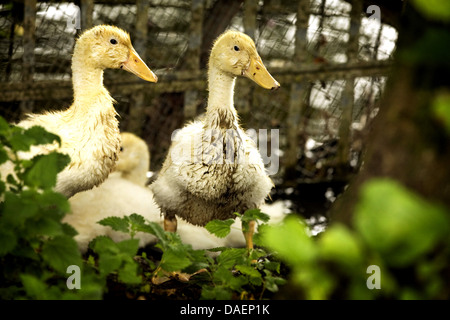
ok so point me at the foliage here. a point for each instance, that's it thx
(234, 273)
(404, 235)
(36, 247)
(434, 9)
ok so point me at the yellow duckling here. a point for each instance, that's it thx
(213, 168)
(88, 129)
(124, 192)
(121, 194)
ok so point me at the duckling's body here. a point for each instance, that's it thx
(213, 168)
(89, 129)
(124, 192)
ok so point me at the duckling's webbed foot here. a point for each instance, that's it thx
(170, 223)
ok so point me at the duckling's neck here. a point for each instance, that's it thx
(220, 112)
(87, 82)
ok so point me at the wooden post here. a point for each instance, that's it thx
(86, 12)
(138, 98)
(250, 10)
(250, 27)
(299, 90)
(29, 43)
(192, 62)
(347, 97)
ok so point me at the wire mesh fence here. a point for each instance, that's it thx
(307, 50)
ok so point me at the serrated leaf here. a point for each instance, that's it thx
(8, 241)
(45, 226)
(128, 273)
(137, 219)
(219, 228)
(156, 230)
(272, 283)
(116, 223)
(40, 136)
(173, 260)
(45, 168)
(249, 271)
(231, 257)
(54, 201)
(34, 287)
(61, 252)
(255, 214)
(128, 247)
(24, 204)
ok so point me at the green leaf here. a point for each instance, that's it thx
(173, 260)
(254, 214)
(272, 283)
(229, 258)
(3, 156)
(128, 247)
(8, 241)
(155, 229)
(340, 245)
(45, 226)
(116, 223)
(61, 252)
(4, 126)
(17, 208)
(441, 109)
(216, 293)
(40, 135)
(34, 287)
(434, 9)
(398, 223)
(255, 277)
(45, 168)
(128, 273)
(137, 219)
(291, 242)
(220, 228)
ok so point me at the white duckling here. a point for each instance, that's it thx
(123, 193)
(88, 129)
(213, 168)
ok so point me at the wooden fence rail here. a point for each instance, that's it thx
(190, 76)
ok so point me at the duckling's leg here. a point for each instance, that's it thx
(170, 223)
(249, 234)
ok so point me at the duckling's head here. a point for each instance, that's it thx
(103, 47)
(134, 158)
(235, 52)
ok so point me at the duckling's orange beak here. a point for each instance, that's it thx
(135, 65)
(258, 73)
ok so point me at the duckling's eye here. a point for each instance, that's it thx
(236, 48)
(113, 41)
(121, 149)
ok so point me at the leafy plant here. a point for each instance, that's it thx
(36, 246)
(234, 273)
(395, 229)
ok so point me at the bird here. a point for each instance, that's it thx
(121, 194)
(213, 168)
(125, 192)
(89, 129)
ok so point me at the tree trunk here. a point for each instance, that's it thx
(406, 142)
